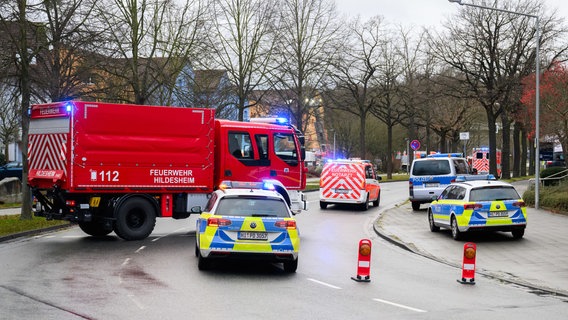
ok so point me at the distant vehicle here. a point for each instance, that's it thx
(473, 205)
(245, 220)
(551, 155)
(349, 181)
(11, 169)
(429, 176)
(480, 160)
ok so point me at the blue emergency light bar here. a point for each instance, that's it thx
(445, 155)
(475, 177)
(265, 185)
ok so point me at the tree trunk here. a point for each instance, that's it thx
(516, 149)
(506, 152)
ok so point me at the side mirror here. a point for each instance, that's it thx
(196, 209)
(434, 198)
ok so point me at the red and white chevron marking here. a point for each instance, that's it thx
(48, 151)
(343, 176)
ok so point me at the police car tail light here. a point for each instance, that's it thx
(286, 224)
(472, 206)
(519, 204)
(218, 222)
(70, 203)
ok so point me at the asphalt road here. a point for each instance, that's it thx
(68, 275)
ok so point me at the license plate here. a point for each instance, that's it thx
(499, 214)
(244, 235)
(342, 191)
(431, 185)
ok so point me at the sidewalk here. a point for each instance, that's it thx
(10, 211)
(538, 260)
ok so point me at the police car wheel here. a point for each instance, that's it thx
(323, 205)
(518, 234)
(433, 226)
(202, 263)
(291, 266)
(456, 234)
(415, 206)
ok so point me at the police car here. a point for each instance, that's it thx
(431, 175)
(247, 221)
(472, 205)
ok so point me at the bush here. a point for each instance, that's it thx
(553, 198)
(550, 172)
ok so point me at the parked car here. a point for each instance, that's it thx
(487, 205)
(11, 169)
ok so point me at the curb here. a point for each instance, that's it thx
(35, 232)
(539, 290)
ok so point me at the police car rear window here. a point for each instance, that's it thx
(431, 167)
(252, 207)
(493, 194)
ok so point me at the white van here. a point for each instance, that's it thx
(431, 175)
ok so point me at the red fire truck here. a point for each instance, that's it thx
(117, 167)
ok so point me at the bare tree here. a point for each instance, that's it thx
(244, 39)
(386, 96)
(23, 37)
(353, 71)
(9, 116)
(493, 51)
(62, 70)
(149, 43)
(308, 36)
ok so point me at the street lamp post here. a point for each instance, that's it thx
(537, 93)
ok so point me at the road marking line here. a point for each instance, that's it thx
(136, 302)
(140, 249)
(324, 284)
(126, 261)
(399, 305)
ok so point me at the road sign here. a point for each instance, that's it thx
(415, 145)
(464, 135)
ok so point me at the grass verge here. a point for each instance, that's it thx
(11, 224)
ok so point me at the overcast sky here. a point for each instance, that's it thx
(429, 13)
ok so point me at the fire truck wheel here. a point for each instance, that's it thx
(95, 229)
(135, 220)
(323, 205)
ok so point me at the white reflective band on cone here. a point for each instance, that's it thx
(364, 264)
(469, 266)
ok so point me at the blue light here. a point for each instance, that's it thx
(268, 186)
(68, 107)
(282, 120)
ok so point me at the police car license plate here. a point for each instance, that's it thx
(245, 235)
(495, 214)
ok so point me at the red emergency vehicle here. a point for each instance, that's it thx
(480, 160)
(349, 181)
(117, 167)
